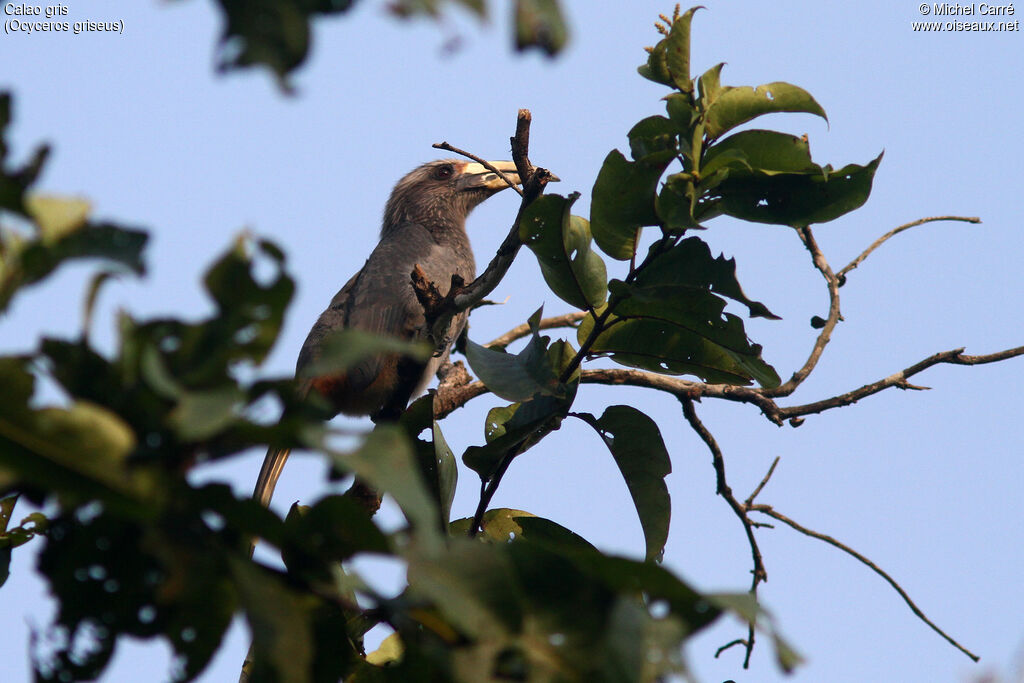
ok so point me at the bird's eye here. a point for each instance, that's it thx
(443, 172)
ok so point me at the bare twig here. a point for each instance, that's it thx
(723, 489)
(895, 231)
(760, 487)
(899, 379)
(768, 510)
(486, 164)
(832, 282)
(520, 331)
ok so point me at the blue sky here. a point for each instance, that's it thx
(926, 484)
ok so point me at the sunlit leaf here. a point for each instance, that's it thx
(562, 245)
(735, 106)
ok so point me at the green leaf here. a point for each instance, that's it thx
(668, 62)
(511, 430)
(766, 151)
(274, 33)
(710, 85)
(203, 414)
(677, 51)
(735, 106)
(669, 319)
(636, 445)
(386, 461)
(447, 471)
(622, 202)
(682, 114)
(281, 624)
(472, 585)
(517, 377)
(674, 202)
(77, 452)
(667, 348)
(691, 268)
(539, 23)
(332, 530)
(653, 140)
(57, 217)
(562, 245)
(435, 459)
(29, 261)
(346, 347)
(798, 199)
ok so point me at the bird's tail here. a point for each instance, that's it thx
(273, 463)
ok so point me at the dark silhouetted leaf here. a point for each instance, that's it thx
(387, 462)
(653, 140)
(539, 23)
(622, 203)
(636, 445)
(274, 33)
(797, 199)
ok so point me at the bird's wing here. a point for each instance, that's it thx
(380, 299)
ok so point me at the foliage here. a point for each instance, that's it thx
(134, 549)
(277, 33)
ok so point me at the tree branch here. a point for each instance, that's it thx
(768, 510)
(899, 379)
(892, 233)
(832, 282)
(520, 331)
(723, 489)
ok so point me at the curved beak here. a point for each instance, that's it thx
(476, 175)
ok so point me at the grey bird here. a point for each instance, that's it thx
(425, 225)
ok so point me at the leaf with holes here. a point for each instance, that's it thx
(562, 244)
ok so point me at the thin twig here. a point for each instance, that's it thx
(832, 282)
(520, 331)
(899, 379)
(486, 164)
(723, 489)
(768, 510)
(771, 470)
(895, 231)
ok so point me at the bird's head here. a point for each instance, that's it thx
(440, 194)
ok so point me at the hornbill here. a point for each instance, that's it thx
(425, 225)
